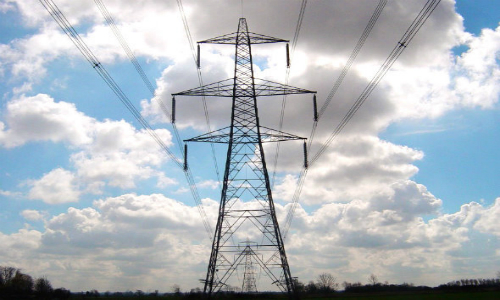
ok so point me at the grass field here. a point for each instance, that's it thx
(416, 296)
(480, 295)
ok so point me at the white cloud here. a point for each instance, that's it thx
(9, 193)
(110, 153)
(56, 187)
(488, 219)
(27, 58)
(354, 167)
(385, 235)
(127, 242)
(478, 73)
(32, 215)
(17, 244)
(40, 118)
(164, 181)
(5, 7)
(120, 154)
(136, 240)
(212, 184)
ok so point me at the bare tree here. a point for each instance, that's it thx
(298, 285)
(43, 287)
(327, 282)
(6, 274)
(311, 287)
(373, 280)
(62, 293)
(22, 283)
(176, 289)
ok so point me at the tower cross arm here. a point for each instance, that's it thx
(222, 136)
(231, 39)
(273, 135)
(224, 88)
(271, 88)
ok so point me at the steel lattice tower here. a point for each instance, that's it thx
(245, 175)
(249, 284)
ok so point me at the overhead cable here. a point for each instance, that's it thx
(354, 54)
(70, 31)
(287, 77)
(195, 53)
(111, 23)
(347, 67)
(338, 82)
(408, 36)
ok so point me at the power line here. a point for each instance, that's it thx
(59, 17)
(70, 31)
(124, 44)
(338, 82)
(287, 77)
(354, 54)
(111, 23)
(408, 36)
(200, 80)
(347, 67)
(147, 82)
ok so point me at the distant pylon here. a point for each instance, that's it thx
(249, 284)
(245, 175)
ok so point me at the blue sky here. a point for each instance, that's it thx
(460, 156)
(408, 189)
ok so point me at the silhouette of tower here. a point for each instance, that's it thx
(245, 175)
(249, 284)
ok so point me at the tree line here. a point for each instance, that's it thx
(326, 283)
(14, 284)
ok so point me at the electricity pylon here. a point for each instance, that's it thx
(249, 284)
(245, 175)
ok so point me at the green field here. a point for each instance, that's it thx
(416, 296)
(480, 295)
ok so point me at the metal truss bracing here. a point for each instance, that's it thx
(261, 87)
(246, 210)
(235, 39)
(222, 136)
(249, 284)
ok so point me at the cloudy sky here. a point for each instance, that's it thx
(408, 191)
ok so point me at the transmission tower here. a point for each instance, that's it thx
(249, 284)
(245, 177)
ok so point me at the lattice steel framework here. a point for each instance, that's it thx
(245, 176)
(249, 284)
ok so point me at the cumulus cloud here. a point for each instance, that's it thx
(120, 154)
(26, 59)
(386, 235)
(9, 193)
(57, 186)
(40, 118)
(110, 153)
(32, 215)
(354, 167)
(478, 73)
(126, 241)
(17, 244)
(486, 222)
(212, 184)
(136, 241)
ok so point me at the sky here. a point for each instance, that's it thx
(408, 191)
